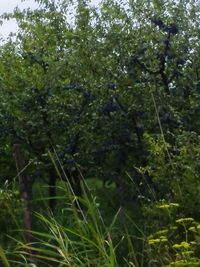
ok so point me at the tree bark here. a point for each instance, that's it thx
(25, 193)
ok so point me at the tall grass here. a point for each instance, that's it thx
(84, 240)
(77, 235)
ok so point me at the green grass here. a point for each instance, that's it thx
(85, 232)
(95, 231)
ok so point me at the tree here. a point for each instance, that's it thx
(95, 89)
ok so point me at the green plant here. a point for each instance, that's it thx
(86, 241)
(10, 212)
(177, 241)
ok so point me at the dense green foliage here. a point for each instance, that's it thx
(110, 95)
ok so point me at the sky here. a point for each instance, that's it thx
(8, 6)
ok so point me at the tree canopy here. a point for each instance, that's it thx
(109, 94)
(113, 91)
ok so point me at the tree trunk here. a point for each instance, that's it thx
(25, 194)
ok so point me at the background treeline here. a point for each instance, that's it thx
(105, 101)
